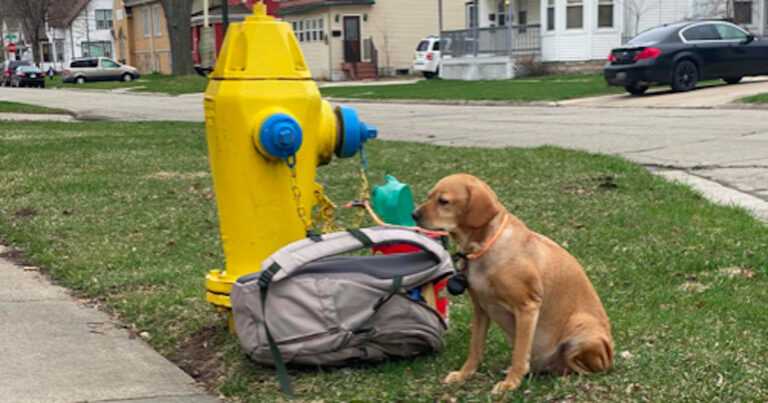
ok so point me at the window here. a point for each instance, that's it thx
(46, 50)
(423, 46)
(109, 64)
(470, 15)
(550, 15)
(84, 63)
(103, 19)
(574, 14)
(97, 49)
(157, 13)
(59, 45)
(301, 31)
(703, 32)
(730, 33)
(522, 21)
(742, 11)
(605, 14)
(320, 29)
(147, 20)
(313, 27)
(436, 46)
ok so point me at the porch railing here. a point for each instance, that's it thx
(495, 41)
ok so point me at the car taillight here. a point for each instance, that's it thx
(648, 53)
(66, 72)
(430, 56)
(21, 74)
(612, 58)
(7, 72)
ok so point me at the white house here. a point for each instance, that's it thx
(501, 34)
(85, 31)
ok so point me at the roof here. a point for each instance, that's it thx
(292, 7)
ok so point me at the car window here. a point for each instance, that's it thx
(423, 46)
(109, 64)
(77, 64)
(730, 33)
(436, 46)
(92, 63)
(28, 69)
(703, 32)
(650, 36)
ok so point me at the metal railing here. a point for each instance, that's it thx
(496, 41)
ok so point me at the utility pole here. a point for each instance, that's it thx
(439, 17)
(225, 15)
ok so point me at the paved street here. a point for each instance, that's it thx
(727, 146)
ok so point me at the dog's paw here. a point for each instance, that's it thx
(505, 386)
(455, 377)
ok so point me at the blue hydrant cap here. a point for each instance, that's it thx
(280, 135)
(354, 132)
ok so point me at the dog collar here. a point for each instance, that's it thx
(488, 244)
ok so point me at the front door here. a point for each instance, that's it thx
(352, 39)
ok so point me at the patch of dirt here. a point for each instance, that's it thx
(693, 286)
(25, 212)
(163, 175)
(737, 272)
(197, 356)
(588, 186)
(15, 256)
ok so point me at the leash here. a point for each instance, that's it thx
(365, 204)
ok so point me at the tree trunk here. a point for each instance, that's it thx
(178, 14)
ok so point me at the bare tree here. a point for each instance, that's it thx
(178, 14)
(714, 8)
(31, 14)
(635, 10)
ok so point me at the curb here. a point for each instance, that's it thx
(718, 193)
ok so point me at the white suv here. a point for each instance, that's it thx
(427, 57)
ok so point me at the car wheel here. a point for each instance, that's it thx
(686, 75)
(636, 90)
(80, 80)
(429, 75)
(127, 77)
(732, 80)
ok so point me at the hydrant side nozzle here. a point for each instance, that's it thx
(353, 133)
(280, 136)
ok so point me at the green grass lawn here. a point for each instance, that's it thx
(18, 107)
(167, 84)
(756, 99)
(545, 88)
(123, 213)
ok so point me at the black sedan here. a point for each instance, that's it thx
(682, 54)
(28, 76)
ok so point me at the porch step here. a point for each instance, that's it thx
(361, 71)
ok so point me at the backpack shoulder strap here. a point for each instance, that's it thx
(293, 257)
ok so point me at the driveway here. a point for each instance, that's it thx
(727, 147)
(707, 96)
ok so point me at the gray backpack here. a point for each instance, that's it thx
(311, 306)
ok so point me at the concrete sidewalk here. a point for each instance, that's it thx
(56, 349)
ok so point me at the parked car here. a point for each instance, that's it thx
(682, 54)
(28, 76)
(98, 69)
(427, 57)
(9, 67)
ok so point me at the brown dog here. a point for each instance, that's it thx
(530, 286)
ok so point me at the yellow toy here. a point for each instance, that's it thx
(268, 129)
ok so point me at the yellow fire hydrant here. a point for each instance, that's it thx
(268, 130)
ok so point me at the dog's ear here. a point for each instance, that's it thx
(482, 206)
